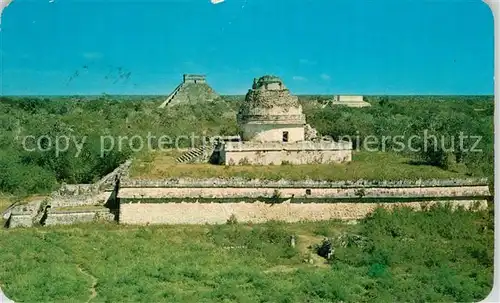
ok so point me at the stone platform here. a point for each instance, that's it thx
(296, 153)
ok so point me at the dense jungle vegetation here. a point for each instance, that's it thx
(86, 120)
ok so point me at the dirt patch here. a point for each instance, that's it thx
(93, 292)
(305, 246)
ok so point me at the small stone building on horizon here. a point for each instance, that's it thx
(349, 101)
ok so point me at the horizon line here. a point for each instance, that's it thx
(166, 95)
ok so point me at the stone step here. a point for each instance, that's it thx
(191, 154)
(194, 153)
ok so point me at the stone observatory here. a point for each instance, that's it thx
(270, 113)
(273, 130)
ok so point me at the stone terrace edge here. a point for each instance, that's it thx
(240, 182)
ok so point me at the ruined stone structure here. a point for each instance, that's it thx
(270, 113)
(350, 101)
(254, 211)
(215, 201)
(72, 203)
(194, 79)
(274, 131)
(194, 88)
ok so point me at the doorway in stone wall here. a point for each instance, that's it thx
(285, 136)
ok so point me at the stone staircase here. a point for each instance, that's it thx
(196, 154)
(171, 96)
(190, 92)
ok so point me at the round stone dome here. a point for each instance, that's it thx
(270, 106)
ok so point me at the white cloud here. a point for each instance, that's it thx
(92, 55)
(325, 77)
(299, 78)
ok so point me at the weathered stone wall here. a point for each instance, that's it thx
(24, 215)
(243, 183)
(463, 192)
(333, 193)
(270, 102)
(76, 189)
(272, 132)
(290, 146)
(304, 152)
(188, 78)
(81, 200)
(219, 213)
(74, 217)
(310, 133)
(273, 86)
(20, 220)
(274, 157)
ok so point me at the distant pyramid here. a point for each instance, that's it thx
(194, 88)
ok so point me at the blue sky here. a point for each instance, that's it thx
(315, 46)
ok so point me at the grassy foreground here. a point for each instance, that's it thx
(365, 165)
(437, 256)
